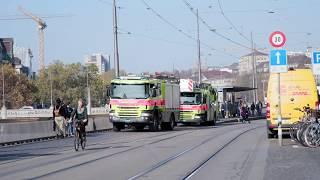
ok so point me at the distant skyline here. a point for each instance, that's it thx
(147, 43)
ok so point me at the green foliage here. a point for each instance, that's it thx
(69, 82)
(18, 88)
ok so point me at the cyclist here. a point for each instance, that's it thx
(80, 116)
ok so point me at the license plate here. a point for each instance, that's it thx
(284, 121)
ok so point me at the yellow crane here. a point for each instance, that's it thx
(41, 26)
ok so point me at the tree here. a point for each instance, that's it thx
(18, 88)
(69, 82)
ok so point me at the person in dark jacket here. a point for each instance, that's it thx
(253, 107)
(59, 116)
(69, 120)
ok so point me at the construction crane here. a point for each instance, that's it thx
(41, 26)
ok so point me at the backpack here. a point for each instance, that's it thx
(57, 111)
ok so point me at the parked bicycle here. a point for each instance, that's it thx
(307, 130)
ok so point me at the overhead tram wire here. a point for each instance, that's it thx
(212, 29)
(183, 32)
(166, 21)
(174, 42)
(230, 22)
(125, 32)
(13, 18)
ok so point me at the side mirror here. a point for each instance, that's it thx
(154, 92)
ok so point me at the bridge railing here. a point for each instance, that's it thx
(43, 113)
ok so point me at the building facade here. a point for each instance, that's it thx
(101, 61)
(23, 60)
(246, 62)
(6, 49)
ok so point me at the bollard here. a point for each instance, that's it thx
(280, 130)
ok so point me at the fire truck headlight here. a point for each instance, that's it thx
(146, 114)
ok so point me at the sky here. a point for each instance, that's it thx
(151, 43)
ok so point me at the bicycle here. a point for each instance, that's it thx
(298, 127)
(80, 136)
(307, 130)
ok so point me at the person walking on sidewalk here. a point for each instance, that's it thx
(59, 116)
(69, 124)
(253, 107)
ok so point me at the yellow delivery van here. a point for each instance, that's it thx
(298, 89)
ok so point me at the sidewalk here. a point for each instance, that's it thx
(237, 119)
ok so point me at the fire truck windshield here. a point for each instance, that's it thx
(190, 98)
(130, 91)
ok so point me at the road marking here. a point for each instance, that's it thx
(295, 146)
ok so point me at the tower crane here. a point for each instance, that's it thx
(41, 26)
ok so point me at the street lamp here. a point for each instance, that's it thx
(89, 94)
(51, 92)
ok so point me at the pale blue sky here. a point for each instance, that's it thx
(154, 45)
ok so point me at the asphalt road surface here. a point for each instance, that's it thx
(226, 151)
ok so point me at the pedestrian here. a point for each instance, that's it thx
(69, 120)
(59, 116)
(260, 104)
(253, 107)
(258, 108)
(244, 113)
(229, 109)
(222, 109)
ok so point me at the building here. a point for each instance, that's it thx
(246, 61)
(218, 78)
(23, 60)
(101, 61)
(20, 68)
(6, 49)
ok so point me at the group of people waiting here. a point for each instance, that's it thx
(229, 109)
(66, 118)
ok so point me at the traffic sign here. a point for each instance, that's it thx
(316, 63)
(278, 61)
(277, 39)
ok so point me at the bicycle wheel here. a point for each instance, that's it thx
(300, 134)
(83, 141)
(292, 131)
(76, 140)
(311, 135)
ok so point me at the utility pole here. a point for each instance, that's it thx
(3, 109)
(253, 70)
(51, 93)
(198, 40)
(115, 40)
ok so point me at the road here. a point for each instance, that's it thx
(227, 151)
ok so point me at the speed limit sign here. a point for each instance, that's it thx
(277, 39)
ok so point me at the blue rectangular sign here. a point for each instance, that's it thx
(278, 57)
(316, 57)
(316, 63)
(278, 61)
